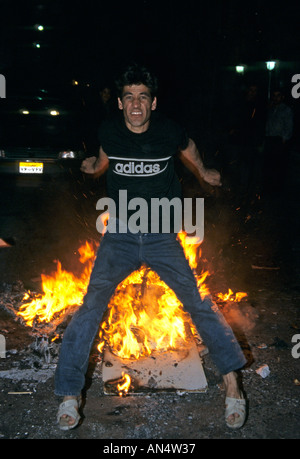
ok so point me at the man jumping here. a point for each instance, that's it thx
(141, 135)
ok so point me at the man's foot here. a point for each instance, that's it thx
(68, 413)
(235, 413)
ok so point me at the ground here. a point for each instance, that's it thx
(250, 247)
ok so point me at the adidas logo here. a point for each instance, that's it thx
(133, 168)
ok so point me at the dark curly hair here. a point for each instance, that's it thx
(136, 74)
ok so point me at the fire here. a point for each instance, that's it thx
(124, 386)
(192, 250)
(144, 314)
(63, 291)
(230, 296)
(119, 386)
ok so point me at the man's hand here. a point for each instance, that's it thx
(212, 176)
(88, 165)
(192, 160)
(95, 166)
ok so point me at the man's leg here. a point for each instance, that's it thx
(116, 259)
(166, 256)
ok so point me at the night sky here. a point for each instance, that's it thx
(188, 43)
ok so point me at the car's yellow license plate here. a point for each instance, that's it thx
(31, 168)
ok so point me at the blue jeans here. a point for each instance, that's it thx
(118, 256)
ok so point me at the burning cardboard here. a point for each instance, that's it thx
(171, 370)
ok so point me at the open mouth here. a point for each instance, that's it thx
(136, 113)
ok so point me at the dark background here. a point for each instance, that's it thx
(193, 46)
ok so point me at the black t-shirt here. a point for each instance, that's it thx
(142, 164)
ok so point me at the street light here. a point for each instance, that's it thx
(240, 69)
(271, 65)
(39, 27)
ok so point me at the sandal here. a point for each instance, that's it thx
(235, 405)
(70, 408)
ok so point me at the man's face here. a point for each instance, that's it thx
(137, 105)
(105, 95)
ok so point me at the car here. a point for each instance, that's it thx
(40, 134)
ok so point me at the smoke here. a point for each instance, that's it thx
(240, 316)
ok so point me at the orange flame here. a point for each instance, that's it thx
(124, 387)
(144, 314)
(230, 296)
(61, 291)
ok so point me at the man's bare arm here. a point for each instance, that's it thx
(95, 166)
(192, 160)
